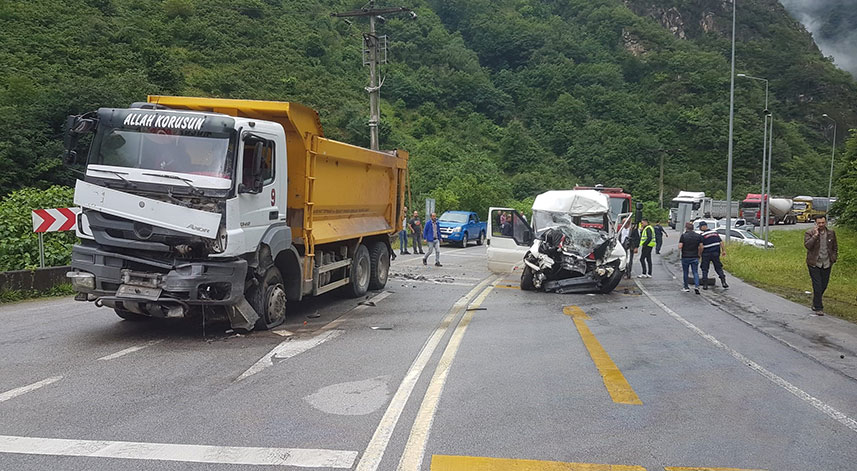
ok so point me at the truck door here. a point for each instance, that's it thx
(509, 238)
(258, 201)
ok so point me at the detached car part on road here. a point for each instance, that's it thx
(233, 207)
(557, 253)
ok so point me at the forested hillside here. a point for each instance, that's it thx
(497, 100)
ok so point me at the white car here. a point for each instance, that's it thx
(745, 237)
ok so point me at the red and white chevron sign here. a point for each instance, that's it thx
(53, 220)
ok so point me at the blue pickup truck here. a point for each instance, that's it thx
(460, 227)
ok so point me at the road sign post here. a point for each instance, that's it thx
(52, 220)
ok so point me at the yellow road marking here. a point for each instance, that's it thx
(468, 463)
(507, 286)
(415, 448)
(614, 380)
(673, 468)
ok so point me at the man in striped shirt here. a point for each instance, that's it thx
(712, 249)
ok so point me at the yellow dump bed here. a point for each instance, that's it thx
(336, 191)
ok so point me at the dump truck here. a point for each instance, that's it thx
(807, 208)
(227, 208)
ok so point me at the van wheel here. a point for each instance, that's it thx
(379, 262)
(481, 239)
(268, 298)
(527, 279)
(609, 284)
(361, 268)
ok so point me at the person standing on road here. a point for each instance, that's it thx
(690, 246)
(403, 234)
(821, 253)
(647, 243)
(416, 233)
(629, 238)
(432, 236)
(713, 249)
(660, 233)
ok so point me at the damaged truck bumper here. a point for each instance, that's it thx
(161, 288)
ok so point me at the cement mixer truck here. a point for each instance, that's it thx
(779, 210)
(227, 208)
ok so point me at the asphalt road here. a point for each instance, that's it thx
(448, 368)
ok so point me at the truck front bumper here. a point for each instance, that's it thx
(118, 276)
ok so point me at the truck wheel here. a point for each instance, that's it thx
(130, 316)
(379, 261)
(464, 241)
(361, 268)
(527, 279)
(481, 239)
(268, 298)
(609, 284)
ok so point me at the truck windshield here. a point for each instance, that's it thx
(619, 206)
(193, 154)
(750, 204)
(800, 206)
(453, 217)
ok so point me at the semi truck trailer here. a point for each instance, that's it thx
(228, 207)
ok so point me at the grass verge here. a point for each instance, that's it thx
(783, 270)
(11, 296)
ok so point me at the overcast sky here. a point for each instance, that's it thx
(843, 48)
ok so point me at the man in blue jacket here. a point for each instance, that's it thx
(431, 234)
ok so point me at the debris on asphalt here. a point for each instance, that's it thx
(367, 303)
(284, 333)
(314, 315)
(381, 327)
(477, 309)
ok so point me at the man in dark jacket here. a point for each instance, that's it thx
(416, 233)
(821, 253)
(690, 246)
(712, 249)
(660, 233)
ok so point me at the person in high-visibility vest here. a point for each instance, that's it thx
(647, 243)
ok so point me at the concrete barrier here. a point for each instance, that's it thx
(40, 279)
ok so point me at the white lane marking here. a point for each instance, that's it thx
(415, 448)
(371, 458)
(300, 457)
(122, 353)
(13, 393)
(287, 349)
(292, 347)
(817, 403)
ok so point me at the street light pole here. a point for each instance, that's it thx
(763, 205)
(731, 128)
(768, 192)
(832, 155)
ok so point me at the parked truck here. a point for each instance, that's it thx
(696, 200)
(460, 227)
(807, 208)
(779, 210)
(716, 209)
(229, 208)
(620, 201)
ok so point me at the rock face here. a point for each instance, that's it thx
(632, 44)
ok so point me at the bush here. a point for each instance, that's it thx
(19, 245)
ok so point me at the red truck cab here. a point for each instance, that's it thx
(620, 202)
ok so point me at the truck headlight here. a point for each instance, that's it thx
(457, 229)
(81, 280)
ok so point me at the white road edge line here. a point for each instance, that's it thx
(128, 350)
(415, 448)
(292, 347)
(300, 457)
(374, 452)
(13, 393)
(815, 402)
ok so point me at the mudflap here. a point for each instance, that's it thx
(242, 316)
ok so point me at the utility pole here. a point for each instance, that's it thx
(375, 54)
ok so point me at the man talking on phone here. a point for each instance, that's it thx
(821, 252)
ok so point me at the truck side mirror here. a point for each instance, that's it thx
(75, 126)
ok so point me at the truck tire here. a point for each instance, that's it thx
(464, 241)
(379, 261)
(527, 279)
(130, 316)
(268, 298)
(612, 282)
(481, 239)
(359, 275)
